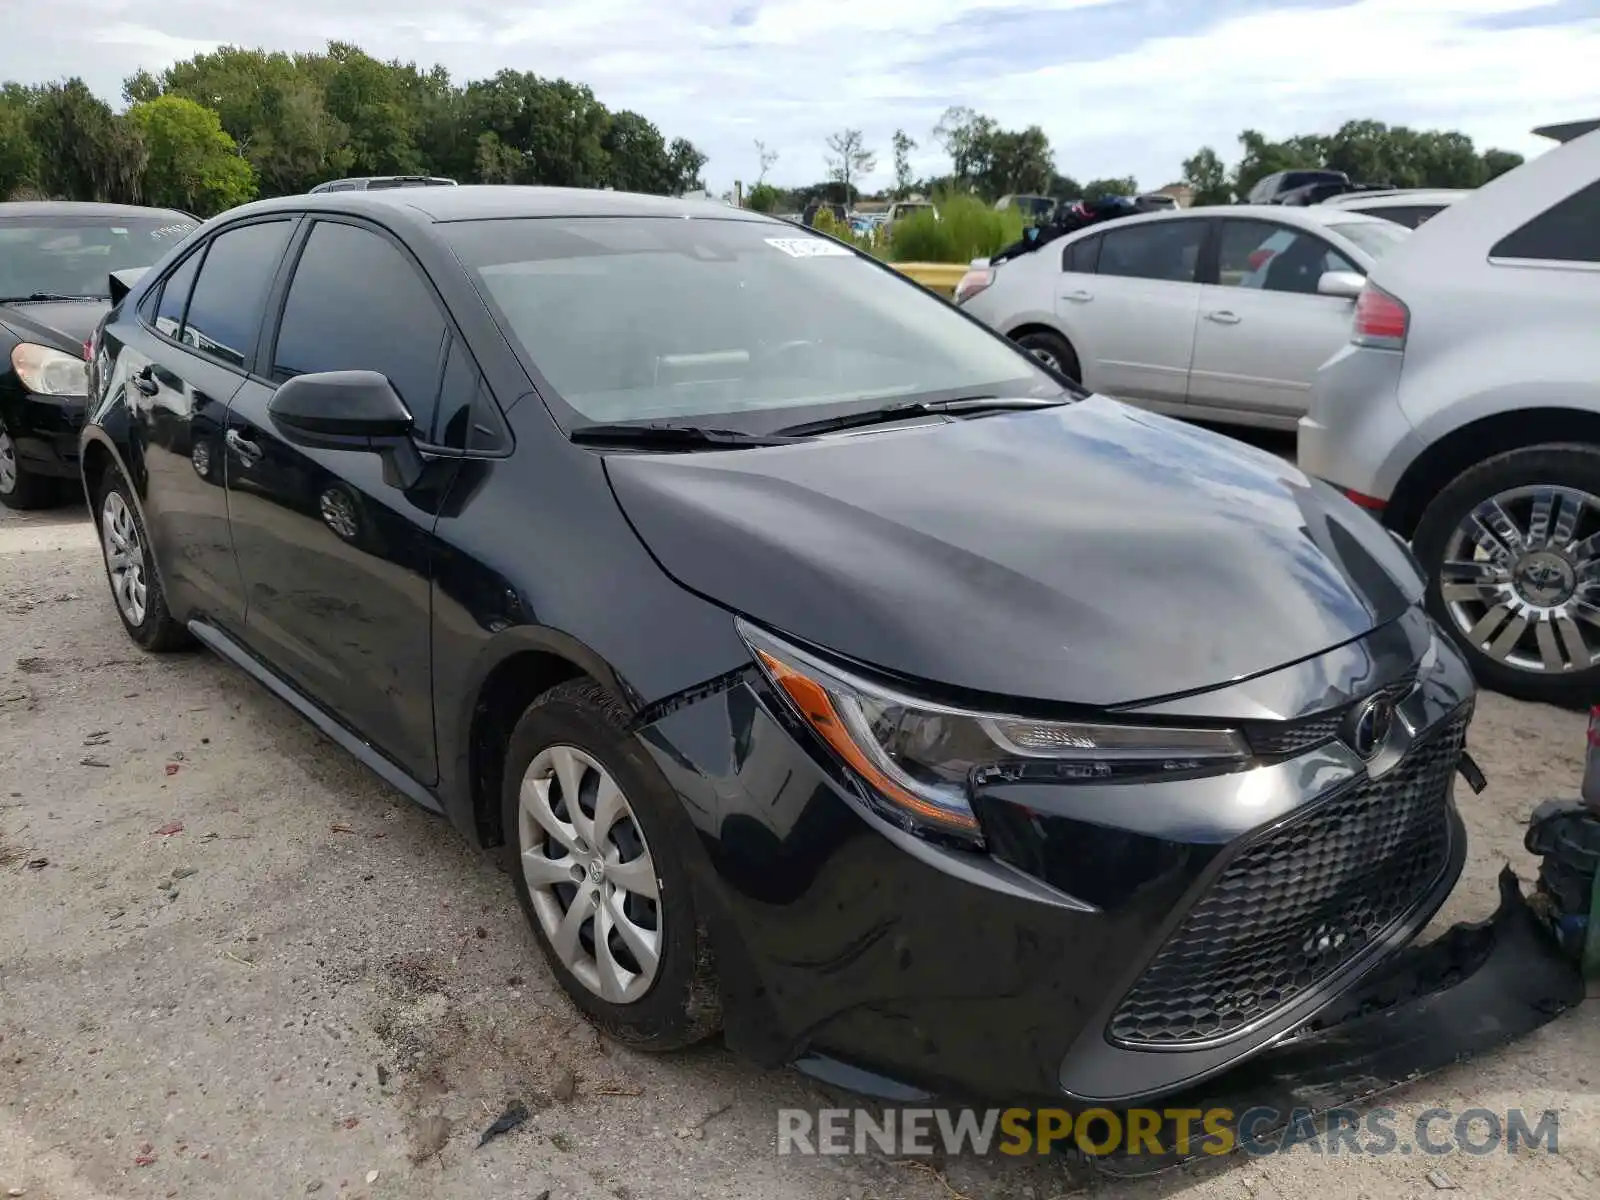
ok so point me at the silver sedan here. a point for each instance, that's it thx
(1218, 313)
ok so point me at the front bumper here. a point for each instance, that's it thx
(842, 940)
(45, 429)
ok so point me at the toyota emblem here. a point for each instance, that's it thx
(1371, 724)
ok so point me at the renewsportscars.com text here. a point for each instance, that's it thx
(1186, 1132)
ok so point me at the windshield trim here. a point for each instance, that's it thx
(760, 422)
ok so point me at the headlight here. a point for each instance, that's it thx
(921, 760)
(50, 372)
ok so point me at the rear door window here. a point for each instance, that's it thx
(1275, 258)
(1164, 250)
(1566, 232)
(225, 309)
(173, 296)
(1081, 257)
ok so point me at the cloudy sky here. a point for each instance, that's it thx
(1121, 86)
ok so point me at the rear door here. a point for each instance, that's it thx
(1132, 321)
(181, 363)
(335, 557)
(1264, 329)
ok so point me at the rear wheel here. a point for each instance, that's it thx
(1512, 549)
(20, 488)
(1054, 352)
(130, 569)
(598, 836)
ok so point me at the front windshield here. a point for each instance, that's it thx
(1376, 237)
(646, 318)
(73, 256)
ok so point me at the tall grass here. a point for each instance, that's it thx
(966, 228)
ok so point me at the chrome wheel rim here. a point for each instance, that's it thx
(124, 557)
(8, 463)
(200, 458)
(590, 874)
(1521, 578)
(1047, 358)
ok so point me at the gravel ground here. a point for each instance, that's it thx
(233, 963)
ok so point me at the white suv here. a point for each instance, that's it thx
(1465, 412)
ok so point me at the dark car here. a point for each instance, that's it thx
(823, 669)
(1272, 189)
(56, 262)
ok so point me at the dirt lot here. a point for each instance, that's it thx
(233, 963)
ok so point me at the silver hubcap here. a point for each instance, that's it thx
(124, 557)
(1521, 578)
(200, 456)
(590, 874)
(8, 463)
(1048, 359)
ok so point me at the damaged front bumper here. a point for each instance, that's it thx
(1474, 989)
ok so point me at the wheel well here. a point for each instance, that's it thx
(504, 697)
(1022, 331)
(96, 462)
(1462, 448)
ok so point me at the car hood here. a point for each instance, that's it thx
(1089, 554)
(61, 324)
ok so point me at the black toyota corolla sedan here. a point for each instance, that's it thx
(825, 671)
(56, 259)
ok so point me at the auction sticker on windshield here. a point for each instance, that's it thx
(810, 247)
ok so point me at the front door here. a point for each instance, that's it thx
(335, 557)
(1132, 321)
(183, 361)
(1264, 329)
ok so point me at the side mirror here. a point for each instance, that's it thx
(1346, 285)
(120, 283)
(349, 410)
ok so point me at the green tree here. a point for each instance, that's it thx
(766, 159)
(372, 99)
(637, 155)
(1262, 158)
(19, 159)
(85, 151)
(1205, 173)
(1018, 162)
(966, 137)
(1065, 187)
(1125, 185)
(192, 163)
(903, 146)
(764, 198)
(687, 163)
(850, 157)
(1497, 162)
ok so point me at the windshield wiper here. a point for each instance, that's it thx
(669, 436)
(36, 297)
(920, 408)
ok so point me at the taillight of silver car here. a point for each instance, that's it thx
(973, 282)
(1381, 320)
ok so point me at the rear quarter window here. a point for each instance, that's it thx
(1566, 232)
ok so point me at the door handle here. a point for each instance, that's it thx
(1223, 317)
(246, 450)
(144, 380)
(1078, 297)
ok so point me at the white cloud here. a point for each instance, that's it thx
(1114, 98)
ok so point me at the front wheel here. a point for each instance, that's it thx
(1052, 351)
(598, 840)
(1512, 551)
(20, 488)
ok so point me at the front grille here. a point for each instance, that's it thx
(1285, 739)
(1292, 909)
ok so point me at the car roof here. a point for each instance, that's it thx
(488, 202)
(83, 208)
(1309, 216)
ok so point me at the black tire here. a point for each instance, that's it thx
(1040, 342)
(159, 631)
(683, 1005)
(24, 489)
(1573, 466)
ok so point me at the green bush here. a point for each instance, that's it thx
(966, 228)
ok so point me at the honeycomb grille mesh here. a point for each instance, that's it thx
(1294, 908)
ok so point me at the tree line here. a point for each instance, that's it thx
(989, 161)
(234, 124)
